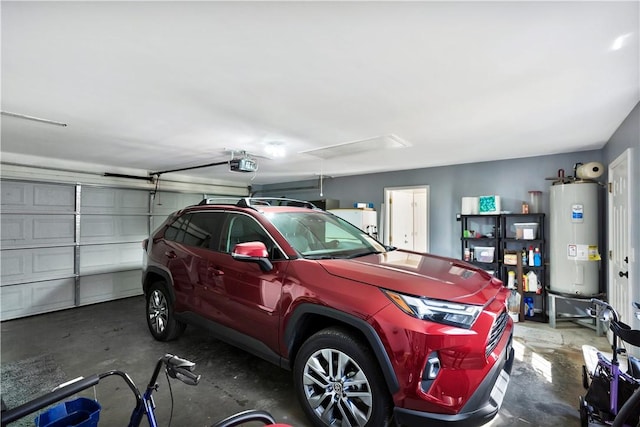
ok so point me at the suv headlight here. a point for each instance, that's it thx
(448, 313)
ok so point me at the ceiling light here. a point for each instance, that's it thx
(620, 41)
(275, 150)
(33, 119)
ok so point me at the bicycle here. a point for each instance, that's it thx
(608, 387)
(175, 367)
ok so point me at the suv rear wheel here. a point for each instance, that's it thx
(339, 383)
(160, 318)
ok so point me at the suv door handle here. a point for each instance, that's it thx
(215, 271)
(170, 254)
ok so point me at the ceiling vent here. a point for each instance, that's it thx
(358, 147)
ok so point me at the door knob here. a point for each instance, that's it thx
(625, 274)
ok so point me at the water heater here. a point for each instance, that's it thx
(574, 253)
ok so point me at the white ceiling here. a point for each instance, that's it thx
(150, 86)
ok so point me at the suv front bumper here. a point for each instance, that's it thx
(481, 408)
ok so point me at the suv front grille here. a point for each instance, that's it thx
(496, 332)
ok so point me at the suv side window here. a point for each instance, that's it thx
(204, 229)
(200, 229)
(241, 229)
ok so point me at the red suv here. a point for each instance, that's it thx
(374, 335)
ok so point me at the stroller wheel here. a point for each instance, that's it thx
(584, 413)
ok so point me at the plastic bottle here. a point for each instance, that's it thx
(537, 258)
(511, 283)
(530, 258)
(524, 256)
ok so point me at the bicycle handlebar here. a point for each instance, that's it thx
(184, 375)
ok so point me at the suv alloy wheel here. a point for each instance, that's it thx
(338, 383)
(160, 318)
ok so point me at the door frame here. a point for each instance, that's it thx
(388, 192)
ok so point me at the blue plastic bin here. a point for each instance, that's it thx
(80, 412)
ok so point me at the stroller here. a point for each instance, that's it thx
(609, 387)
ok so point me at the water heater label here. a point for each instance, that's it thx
(583, 253)
(577, 213)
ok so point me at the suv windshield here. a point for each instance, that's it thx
(318, 235)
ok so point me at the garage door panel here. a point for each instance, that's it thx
(53, 260)
(36, 264)
(101, 258)
(98, 199)
(56, 229)
(54, 197)
(14, 299)
(114, 200)
(13, 229)
(133, 227)
(36, 230)
(97, 228)
(46, 295)
(30, 197)
(114, 229)
(106, 287)
(13, 264)
(35, 298)
(134, 201)
(14, 195)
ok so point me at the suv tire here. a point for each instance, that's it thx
(335, 377)
(160, 318)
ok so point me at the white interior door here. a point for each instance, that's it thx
(406, 222)
(401, 220)
(620, 251)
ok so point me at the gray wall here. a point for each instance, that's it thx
(510, 179)
(628, 136)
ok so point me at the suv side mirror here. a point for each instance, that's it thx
(253, 252)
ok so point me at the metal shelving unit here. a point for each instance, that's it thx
(499, 233)
(510, 242)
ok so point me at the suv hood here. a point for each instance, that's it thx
(420, 275)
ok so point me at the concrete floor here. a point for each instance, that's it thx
(40, 352)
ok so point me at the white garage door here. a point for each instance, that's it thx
(38, 248)
(66, 245)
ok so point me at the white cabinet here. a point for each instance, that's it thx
(364, 219)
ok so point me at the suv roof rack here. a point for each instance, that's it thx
(233, 201)
(274, 201)
(249, 202)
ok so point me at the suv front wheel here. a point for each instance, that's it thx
(339, 383)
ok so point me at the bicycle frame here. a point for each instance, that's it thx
(175, 367)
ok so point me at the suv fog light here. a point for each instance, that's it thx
(432, 368)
